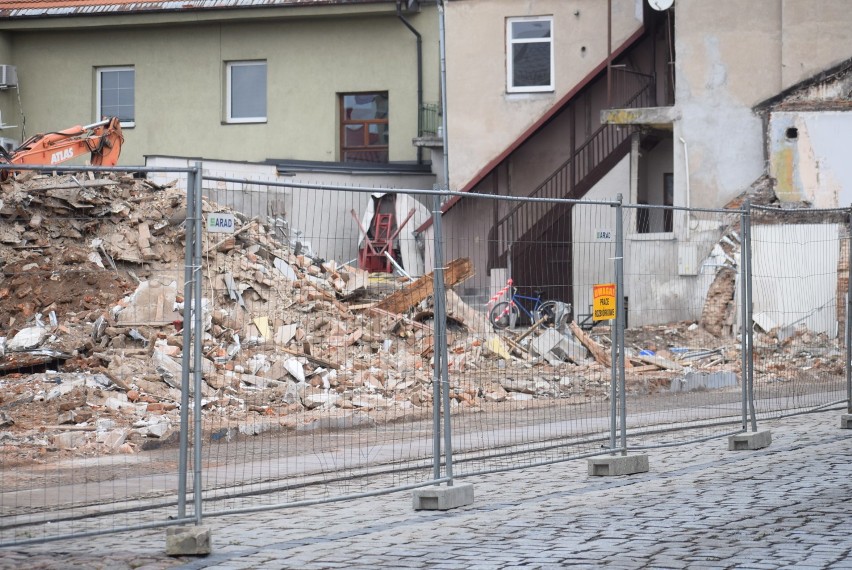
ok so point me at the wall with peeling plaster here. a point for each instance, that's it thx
(483, 119)
(814, 165)
(731, 55)
(656, 293)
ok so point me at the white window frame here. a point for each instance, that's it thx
(99, 112)
(228, 67)
(510, 62)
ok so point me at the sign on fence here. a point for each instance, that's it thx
(220, 223)
(604, 302)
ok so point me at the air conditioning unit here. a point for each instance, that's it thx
(8, 76)
(8, 144)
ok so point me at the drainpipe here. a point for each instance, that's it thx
(408, 25)
(442, 41)
(686, 167)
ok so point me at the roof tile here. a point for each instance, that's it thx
(12, 9)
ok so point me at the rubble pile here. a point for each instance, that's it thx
(91, 309)
(92, 320)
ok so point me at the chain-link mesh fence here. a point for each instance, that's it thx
(322, 381)
(682, 343)
(90, 389)
(800, 284)
(525, 390)
(345, 342)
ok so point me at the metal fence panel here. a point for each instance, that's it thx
(526, 392)
(90, 375)
(318, 391)
(682, 279)
(800, 282)
(318, 329)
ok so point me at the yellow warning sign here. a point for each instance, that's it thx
(603, 305)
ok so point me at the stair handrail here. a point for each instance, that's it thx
(620, 134)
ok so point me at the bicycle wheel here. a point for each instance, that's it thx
(548, 311)
(503, 314)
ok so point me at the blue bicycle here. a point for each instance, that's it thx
(506, 313)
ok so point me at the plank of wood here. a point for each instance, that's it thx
(406, 320)
(659, 361)
(73, 185)
(645, 368)
(597, 350)
(312, 358)
(400, 301)
(517, 348)
(245, 228)
(529, 331)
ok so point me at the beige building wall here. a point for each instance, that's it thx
(730, 56)
(180, 80)
(483, 119)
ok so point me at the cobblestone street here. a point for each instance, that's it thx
(700, 506)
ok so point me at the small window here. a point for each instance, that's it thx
(246, 92)
(116, 86)
(529, 54)
(364, 129)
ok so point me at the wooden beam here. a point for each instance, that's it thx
(400, 301)
(659, 361)
(314, 359)
(597, 350)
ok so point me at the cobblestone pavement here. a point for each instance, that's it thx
(700, 506)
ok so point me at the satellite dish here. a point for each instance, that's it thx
(660, 5)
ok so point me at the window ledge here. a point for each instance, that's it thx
(246, 122)
(659, 236)
(535, 92)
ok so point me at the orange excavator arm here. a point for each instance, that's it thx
(102, 140)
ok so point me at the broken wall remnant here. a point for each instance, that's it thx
(719, 314)
(808, 153)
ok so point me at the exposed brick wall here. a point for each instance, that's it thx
(719, 312)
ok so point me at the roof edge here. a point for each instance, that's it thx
(822, 77)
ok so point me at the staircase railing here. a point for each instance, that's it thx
(571, 179)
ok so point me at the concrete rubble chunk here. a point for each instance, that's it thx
(115, 438)
(704, 381)
(284, 269)
(168, 368)
(546, 341)
(296, 369)
(152, 302)
(523, 386)
(69, 439)
(27, 339)
(188, 541)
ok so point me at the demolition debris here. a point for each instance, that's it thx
(92, 316)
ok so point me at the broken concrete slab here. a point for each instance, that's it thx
(69, 439)
(545, 342)
(704, 381)
(188, 541)
(153, 302)
(27, 339)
